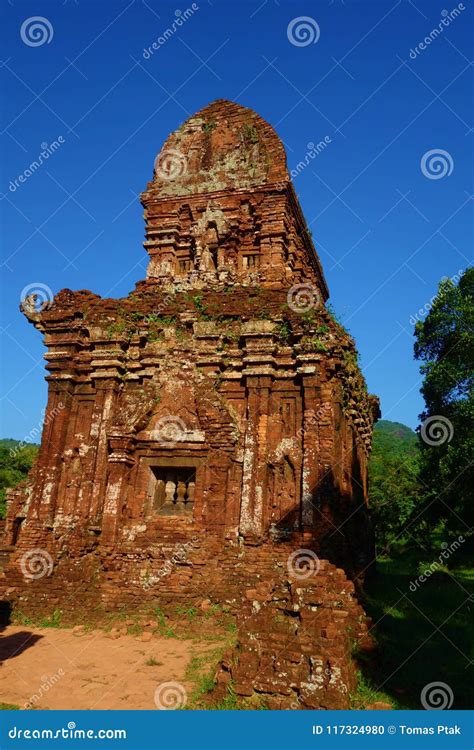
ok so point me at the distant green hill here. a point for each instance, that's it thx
(394, 437)
(16, 459)
(9, 442)
(394, 489)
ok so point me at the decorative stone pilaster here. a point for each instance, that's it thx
(51, 457)
(101, 418)
(120, 462)
(312, 414)
(250, 511)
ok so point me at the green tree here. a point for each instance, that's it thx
(15, 463)
(445, 346)
(394, 485)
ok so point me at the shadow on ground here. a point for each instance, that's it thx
(13, 645)
(424, 632)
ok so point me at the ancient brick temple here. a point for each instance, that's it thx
(208, 435)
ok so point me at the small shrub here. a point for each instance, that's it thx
(53, 621)
(249, 132)
(152, 662)
(186, 611)
(209, 126)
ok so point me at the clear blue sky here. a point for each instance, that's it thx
(385, 232)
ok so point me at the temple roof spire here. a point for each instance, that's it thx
(221, 208)
(224, 146)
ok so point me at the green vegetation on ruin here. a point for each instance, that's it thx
(209, 126)
(250, 133)
(16, 459)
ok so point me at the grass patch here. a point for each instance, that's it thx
(366, 694)
(200, 673)
(184, 621)
(151, 662)
(135, 629)
(213, 611)
(186, 611)
(232, 702)
(424, 631)
(163, 628)
(45, 621)
(53, 621)
(19, 618)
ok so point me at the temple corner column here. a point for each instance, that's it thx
(120, 462)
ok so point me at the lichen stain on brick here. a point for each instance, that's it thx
(271, 417)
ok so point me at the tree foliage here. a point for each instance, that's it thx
(445, 346)
(15, 463)
(394, 485)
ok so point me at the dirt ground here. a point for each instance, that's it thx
(58, 668)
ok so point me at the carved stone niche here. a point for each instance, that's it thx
(171, 485)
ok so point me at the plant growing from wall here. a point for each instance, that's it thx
(249, 133)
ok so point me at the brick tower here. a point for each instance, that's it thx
(217, 409)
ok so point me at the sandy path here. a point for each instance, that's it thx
(66, 671)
